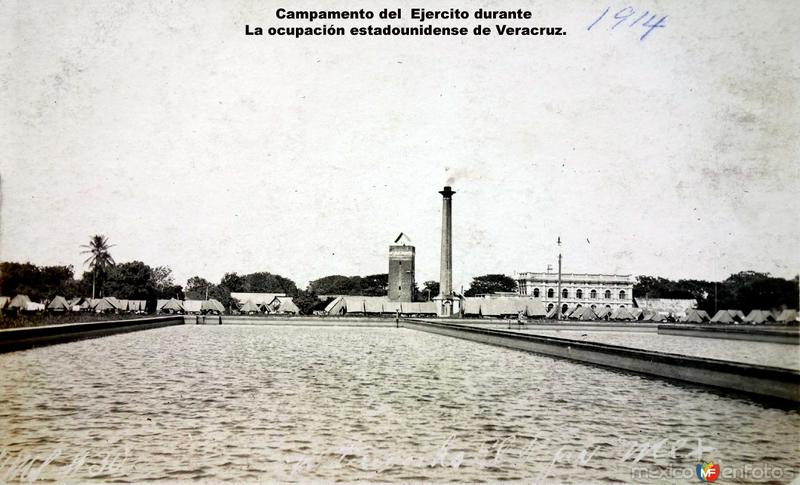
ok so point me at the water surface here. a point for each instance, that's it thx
(249, 403)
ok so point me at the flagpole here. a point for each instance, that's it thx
(558, 306)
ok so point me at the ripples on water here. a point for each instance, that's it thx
(249, 403)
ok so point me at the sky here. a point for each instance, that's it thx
(188, 144)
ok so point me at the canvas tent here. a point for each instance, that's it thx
(336, 307)
(192, 306)
(59, 304)
(498, 307)
(171, 305)
(4, 301)
(105, 305)
(723, 316)
(736, 315)
(420, 308)
(695, 316)
(621, 313)
(636, 313)
(534, 308)
(116, 303)
(257, 298)
(284, 304)
(657, 317)
(759, 316)
(574, 311)
(249, 307)
(372, 305)
(212, 305)
(137, 305)
(603, 313)
(587, 314)
(472, 306)
(19, 302)
(787, 316)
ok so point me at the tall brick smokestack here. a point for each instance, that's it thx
(446, 268)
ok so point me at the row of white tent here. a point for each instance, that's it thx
(754, 317)
(587, 313)
(61, 304)
(279, 304)
(620, 314)
(109, 304)
(362, 305)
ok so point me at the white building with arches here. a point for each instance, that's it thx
(595, 290)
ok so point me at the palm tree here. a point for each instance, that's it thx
(100, 258)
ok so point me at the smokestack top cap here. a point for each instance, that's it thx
(447, 192)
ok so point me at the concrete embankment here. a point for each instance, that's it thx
(771, 382)
(778, 335)
(28, 337)
(282, 320)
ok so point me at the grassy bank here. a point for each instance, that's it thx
(12, 320)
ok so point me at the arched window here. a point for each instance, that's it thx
(564, 293)
(622, 306)
(550, 307)
(608, 294)
(579, 294)
(593, 294)
(594, 306)
(622, 295)
(564, 308)
(550, 293)
(536, 292)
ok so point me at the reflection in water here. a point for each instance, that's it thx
(250, 403)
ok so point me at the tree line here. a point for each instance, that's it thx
(746, 290)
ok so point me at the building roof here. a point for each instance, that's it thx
(572, 278)
(403, 239)
(257, 298)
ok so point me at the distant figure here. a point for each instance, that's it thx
(519, 318)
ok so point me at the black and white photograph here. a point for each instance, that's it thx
(343, 241)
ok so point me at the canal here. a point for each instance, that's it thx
(299, 404)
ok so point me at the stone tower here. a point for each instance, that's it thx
(401, 269)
